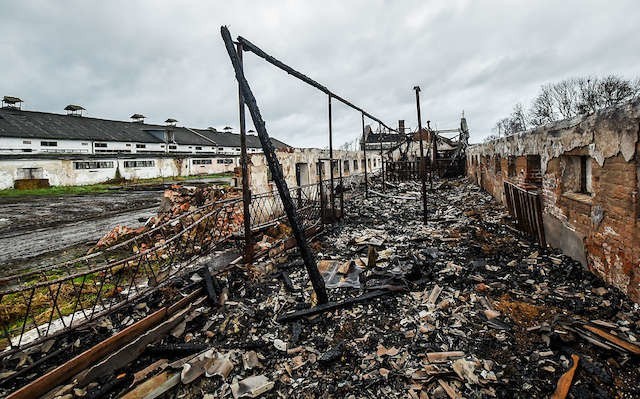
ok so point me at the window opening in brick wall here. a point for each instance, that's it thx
(511, 166)
(577, 174)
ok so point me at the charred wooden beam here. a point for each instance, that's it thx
(244, 159)
(422, 163)
(248, 46)
(276, 171)
(332, 306)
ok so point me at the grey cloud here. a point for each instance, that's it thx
(166, 58)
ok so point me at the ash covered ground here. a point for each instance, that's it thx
(464, 306)
(475, 310)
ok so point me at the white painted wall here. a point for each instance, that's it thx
(17, 145)
(63, 172)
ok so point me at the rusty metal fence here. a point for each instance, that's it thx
(40, 305)
(267, 209)
(400, 171)
(526, 208)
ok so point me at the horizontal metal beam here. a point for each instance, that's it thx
(248, 46)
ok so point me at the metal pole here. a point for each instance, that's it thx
(276, 171)
(381, 158)
(322, 205)
(340, 165)
(434, 161)
(364, 149)
(331, 193)
(431, 134)
(246, 191)
(422, 164)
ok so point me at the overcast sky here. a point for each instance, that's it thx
(167, 59)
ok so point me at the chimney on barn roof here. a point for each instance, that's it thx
(10, 102)
(171, 122)
(139, 118)
(74, 110)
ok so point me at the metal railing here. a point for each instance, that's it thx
(526, 208)
(40, 305)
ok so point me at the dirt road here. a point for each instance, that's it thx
(32, 227)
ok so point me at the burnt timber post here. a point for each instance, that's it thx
(276, 170)
(364, 149)
(246, 193)
(381, 156)
(422, 164)
(332, 197)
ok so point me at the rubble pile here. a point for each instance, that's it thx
(467, 307)
(176, 201)
(464, 306)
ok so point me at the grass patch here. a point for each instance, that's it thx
(102, 187)
(58, 190)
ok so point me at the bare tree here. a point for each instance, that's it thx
(565, 96)
(588, 98)
(518, 118)
(568, 98)
(615, 90)
(542, 110)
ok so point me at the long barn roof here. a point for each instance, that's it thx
(45, 125)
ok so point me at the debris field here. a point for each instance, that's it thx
(464, 306)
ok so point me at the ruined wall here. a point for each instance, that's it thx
(308, 159)
(591, 209)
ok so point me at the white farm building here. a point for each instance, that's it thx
(73, 149)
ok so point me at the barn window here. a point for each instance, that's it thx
(139, 164)
(93, 164)
(202, 162)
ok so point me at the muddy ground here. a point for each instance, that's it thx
(43, 229)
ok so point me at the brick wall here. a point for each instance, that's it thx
(601, 226)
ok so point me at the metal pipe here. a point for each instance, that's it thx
(276, 171)
(364, 149)
(422, 163)
(246, 193)
(248, 46)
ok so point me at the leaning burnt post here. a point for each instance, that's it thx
(246, 193)
(276, 171)
(422, 165)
